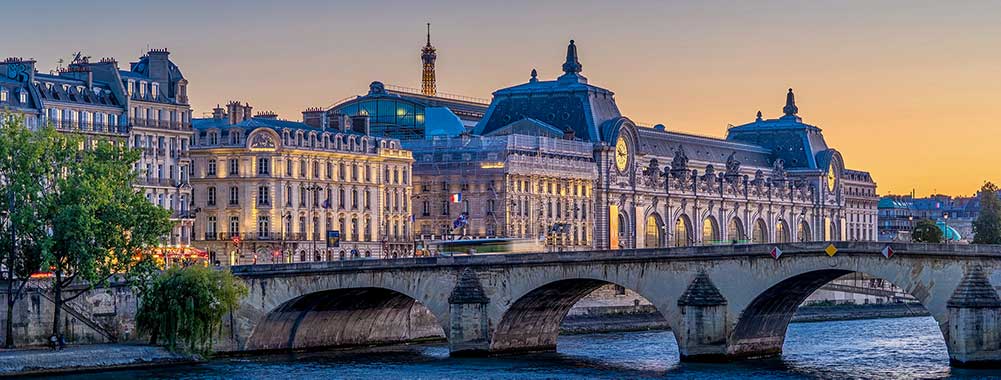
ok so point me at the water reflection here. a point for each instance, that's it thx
(903, 348)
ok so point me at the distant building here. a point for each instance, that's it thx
(954, 215)
(270, 190)
(145, 107)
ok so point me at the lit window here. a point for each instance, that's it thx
(24, 96)
(3, 95)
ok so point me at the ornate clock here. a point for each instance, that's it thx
(621, 154)
(831, 178)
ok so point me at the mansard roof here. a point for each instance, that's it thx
(202, 124)
(568, 103)
(701, 148)
(801, 146)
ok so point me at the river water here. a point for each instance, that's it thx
(897, 348)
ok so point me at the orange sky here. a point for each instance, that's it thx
(906, 90)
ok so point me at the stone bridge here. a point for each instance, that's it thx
(721, 302)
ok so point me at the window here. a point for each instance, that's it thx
(24, 96)
(288, 196)
(234, 166)
(264, 166)
(263, 226)
(288, 168)
(3, 95)
(427, 209)
(234, 195)
(210, 229)
(211, 167)
(234, 226)
(302, 196)
(444, 207)
(316, 169)
(263, 196)
(330, 170)
(302, 168)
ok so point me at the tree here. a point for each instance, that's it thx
(21, 151)
(98, 225)
(987, 227)
(925, 231)
(186, 305)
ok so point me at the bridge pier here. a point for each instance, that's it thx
(469, 326)
(974, 336)
(702, 334)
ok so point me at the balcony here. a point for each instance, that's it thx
(257, 236)
(163, 182)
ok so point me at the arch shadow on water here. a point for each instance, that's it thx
(533, 321)
(762, 326)
(344, 318)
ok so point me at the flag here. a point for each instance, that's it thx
(461, 221)
(776, 252)
(456, 198)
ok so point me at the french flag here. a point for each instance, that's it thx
(456, 198)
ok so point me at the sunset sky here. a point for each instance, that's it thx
(908, 90)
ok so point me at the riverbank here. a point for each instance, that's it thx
(645, 317)
(84, 358)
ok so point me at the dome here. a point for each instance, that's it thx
(948, 233)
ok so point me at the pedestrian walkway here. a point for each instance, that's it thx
(85, 357)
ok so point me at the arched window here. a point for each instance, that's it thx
(654, 236)
(622, 230)
(782, 232)
(760, 233)
(735, 231)
(803, 232)
(710, 231)
(682, 232)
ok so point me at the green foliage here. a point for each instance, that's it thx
(925, 231)
(21, 151)
(185, 306)
(987, 227)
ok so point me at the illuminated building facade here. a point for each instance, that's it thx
(269, 190)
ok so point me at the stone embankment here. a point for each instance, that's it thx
(83, 358)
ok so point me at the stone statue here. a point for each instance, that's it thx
(732, 165)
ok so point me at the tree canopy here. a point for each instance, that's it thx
(987, 226)
(925, 231)
(184, 307)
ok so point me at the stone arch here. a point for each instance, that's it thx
(653, 236)
(803, 232)
(710, 231)
(625, 232)
(761, 326)
(345, 317)
(683, 233)
(759, 234)
(532, 322)
(782, 233)
(735, 230)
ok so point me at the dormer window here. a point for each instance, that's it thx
(155, 89)
(66, 88)
(3, 94)
(79, 89)
(142, 89)
(24, 96)
(132, 87)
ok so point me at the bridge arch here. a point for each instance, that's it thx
(344, 317)
(532, 321)
(761, 326)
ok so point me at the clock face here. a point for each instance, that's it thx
(621, 154)
(830, 180)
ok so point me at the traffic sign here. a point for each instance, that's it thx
(776, 252)
(831, 250)
(887, 251)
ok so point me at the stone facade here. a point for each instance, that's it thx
(145, 107)
(269, 190)
(861, 211)
(517, 186)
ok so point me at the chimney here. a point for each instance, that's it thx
(267, 115)
(23, 70)
(159, 66)
(569, 134)
(218, 113)
(235, 112)
(246, 111)
(313, 117)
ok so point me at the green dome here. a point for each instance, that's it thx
(948, 233)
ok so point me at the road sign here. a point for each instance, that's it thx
(887, 252)
(831, 250)
(776, 252)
